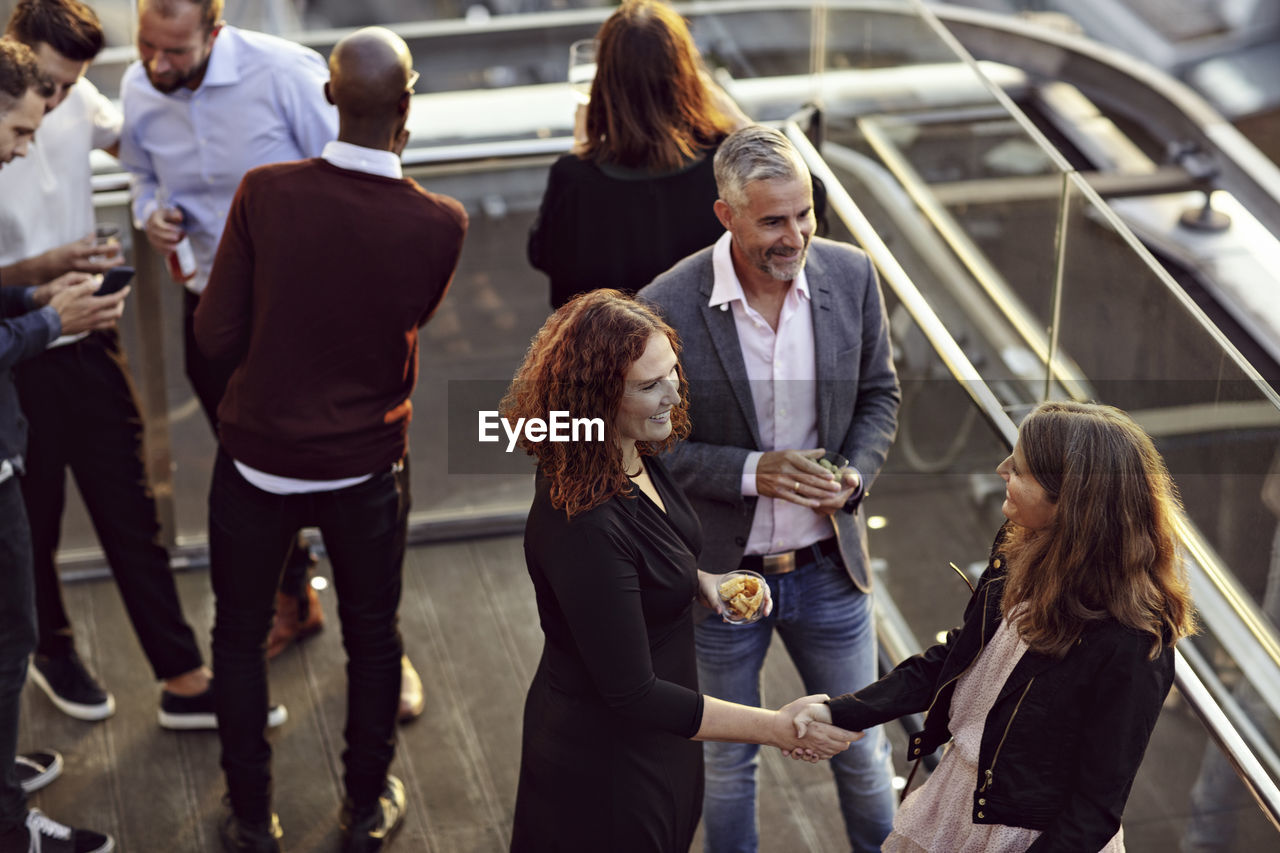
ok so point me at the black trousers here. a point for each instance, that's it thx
(84, 416)
(364, 530)
(209, 380)
(17, 639)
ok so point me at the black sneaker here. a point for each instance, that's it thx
(374, 829)
(46, 835)
(71, 687)
(37, 769)
(241, 837)
(188, 713)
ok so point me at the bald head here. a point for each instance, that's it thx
(369, 75)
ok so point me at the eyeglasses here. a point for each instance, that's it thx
(413, 78)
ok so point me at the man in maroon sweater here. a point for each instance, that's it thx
(326, 271)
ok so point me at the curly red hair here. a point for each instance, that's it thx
(576, 364)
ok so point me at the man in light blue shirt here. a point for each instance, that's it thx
(205, 104)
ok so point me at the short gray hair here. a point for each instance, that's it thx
(754, 153)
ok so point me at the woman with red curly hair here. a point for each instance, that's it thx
(610, 759)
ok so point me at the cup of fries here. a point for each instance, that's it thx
(742, 592)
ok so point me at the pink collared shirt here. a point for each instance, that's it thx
(782, 371)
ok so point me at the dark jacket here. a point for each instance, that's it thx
(611, 227)
(23, 333)
(857, 391)
(1062, 744)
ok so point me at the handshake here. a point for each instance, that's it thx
(809, 734)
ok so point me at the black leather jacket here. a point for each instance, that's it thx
(1062, 744)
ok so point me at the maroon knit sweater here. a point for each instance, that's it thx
(321, 281)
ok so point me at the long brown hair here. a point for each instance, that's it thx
(1110, 550)
(649, 108)
(577, 364)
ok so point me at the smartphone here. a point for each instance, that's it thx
(114, 279)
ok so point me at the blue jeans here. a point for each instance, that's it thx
(17, 641)
(250, 531)
(828, 629)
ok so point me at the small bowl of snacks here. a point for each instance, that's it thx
(833, 463)
(743, 593)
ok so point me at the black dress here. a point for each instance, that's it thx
(606, 763)
(612, 227)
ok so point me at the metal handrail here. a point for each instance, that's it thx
(1250, 770)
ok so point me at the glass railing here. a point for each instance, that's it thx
(1018, 244)
(940, 477)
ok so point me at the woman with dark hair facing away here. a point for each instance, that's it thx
(635, 194)
(610, 759)
(1053, 684)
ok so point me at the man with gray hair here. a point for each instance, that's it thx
(786, 347)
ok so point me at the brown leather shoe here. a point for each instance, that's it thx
(296, 617)
(412, 700)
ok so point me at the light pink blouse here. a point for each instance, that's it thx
(936, 817)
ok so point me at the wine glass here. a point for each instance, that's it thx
(582, 68)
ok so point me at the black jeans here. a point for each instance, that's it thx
(84, 416)
(250, 530)
(17, 639)
(209, 380)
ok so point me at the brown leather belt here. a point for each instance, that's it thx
(789, 561)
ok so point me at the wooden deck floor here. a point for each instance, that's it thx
(470, 626)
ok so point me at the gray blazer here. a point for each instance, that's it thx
(857, 393)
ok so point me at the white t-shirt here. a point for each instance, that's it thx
(46, 198)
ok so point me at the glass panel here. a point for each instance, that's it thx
(968, 199)
(1187, 797)
(1143, 349)
(940, 478)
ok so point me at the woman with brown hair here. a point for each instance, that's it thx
(610, 759)
(1054, 682)
(635, 194)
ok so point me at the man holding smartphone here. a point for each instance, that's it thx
(30, 318)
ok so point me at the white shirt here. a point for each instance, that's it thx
(782, 372)
(46, 198)
(357, 158)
